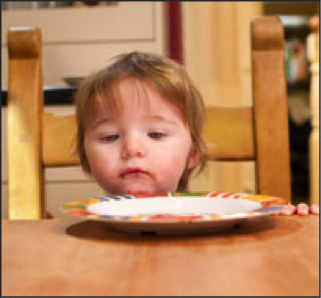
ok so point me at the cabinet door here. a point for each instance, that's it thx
(78, 40)
(124, 21)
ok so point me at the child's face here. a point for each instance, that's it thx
(145, 149)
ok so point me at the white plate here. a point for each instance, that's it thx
(175, 213)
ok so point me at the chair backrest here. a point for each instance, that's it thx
(259, 133)
(37, 140)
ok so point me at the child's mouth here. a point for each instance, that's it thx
(133, 172)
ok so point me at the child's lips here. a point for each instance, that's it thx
(133, 172)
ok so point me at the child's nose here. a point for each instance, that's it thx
(132, 147)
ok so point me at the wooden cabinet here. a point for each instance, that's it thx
(77, 40)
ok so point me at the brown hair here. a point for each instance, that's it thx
(167, 77)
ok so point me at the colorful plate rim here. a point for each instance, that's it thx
(269, 205)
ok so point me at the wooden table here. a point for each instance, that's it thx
(278, 255)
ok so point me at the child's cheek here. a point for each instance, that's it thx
(174, 167)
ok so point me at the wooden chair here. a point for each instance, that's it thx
(37, 140)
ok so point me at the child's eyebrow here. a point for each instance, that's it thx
(99, 122)
(162, 118)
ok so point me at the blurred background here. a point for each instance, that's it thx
(212, 40)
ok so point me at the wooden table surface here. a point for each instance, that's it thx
(277, 255)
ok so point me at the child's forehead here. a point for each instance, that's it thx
(135, 88)
(131, 95)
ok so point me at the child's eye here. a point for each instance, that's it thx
(156, 135)
(110, 138)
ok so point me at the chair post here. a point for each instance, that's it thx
(271, 108)
(24, 119)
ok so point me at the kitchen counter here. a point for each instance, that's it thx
(52, 96)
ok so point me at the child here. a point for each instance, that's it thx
(140, 126)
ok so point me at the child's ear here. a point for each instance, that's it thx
(193, 158)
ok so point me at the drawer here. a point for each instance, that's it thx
(124, 21)
(76, 60)
(59, 193)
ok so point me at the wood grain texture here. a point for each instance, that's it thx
(270, 108)
(35, 139)
(59, 140)
(25, 103)
(229, 133)
(275, 256)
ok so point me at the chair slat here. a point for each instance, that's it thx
(59, 140)
(229, 133)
